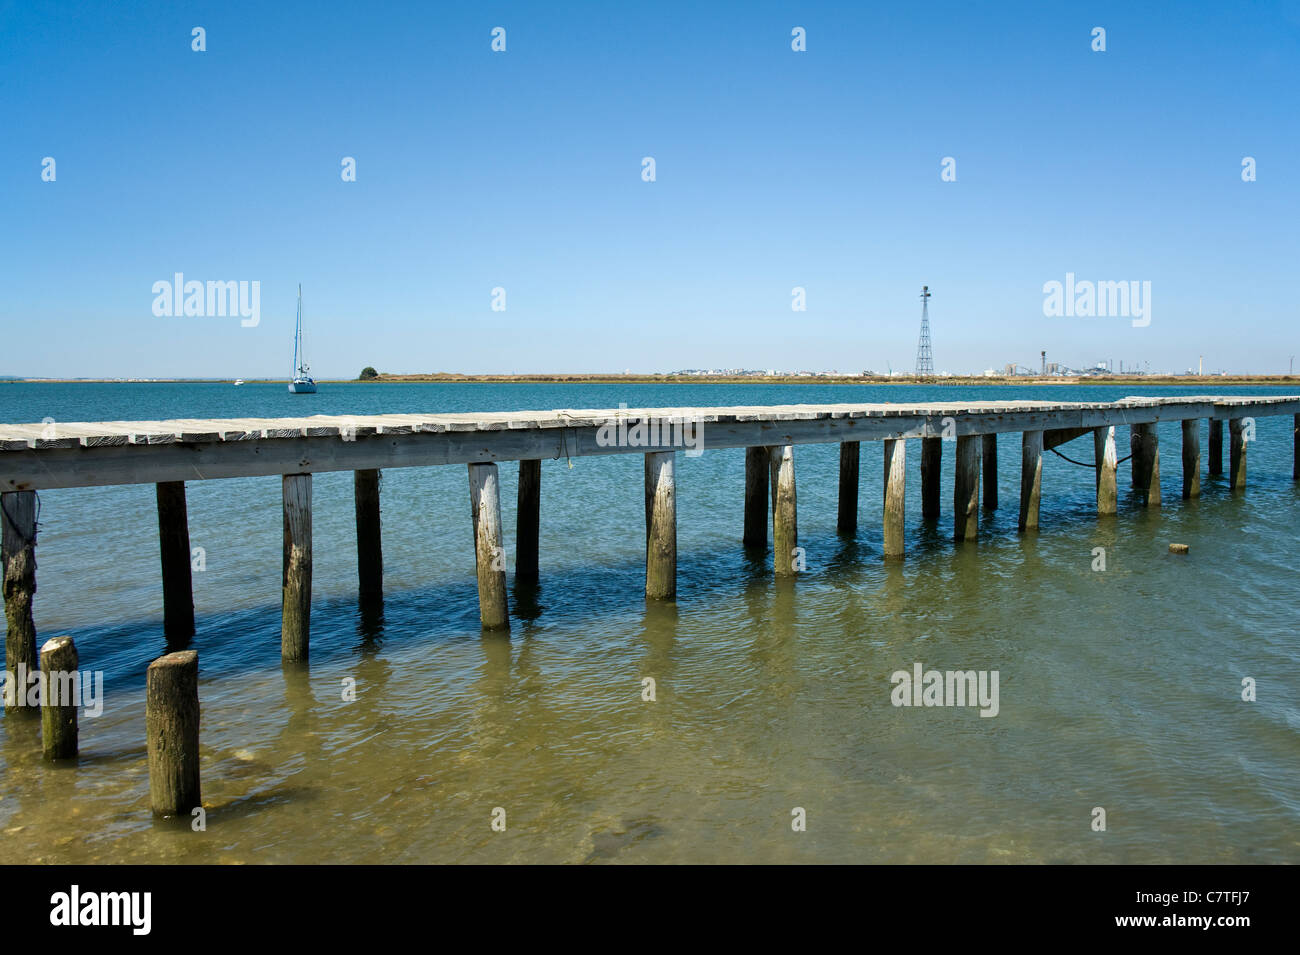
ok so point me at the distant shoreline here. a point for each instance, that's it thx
(595, 379)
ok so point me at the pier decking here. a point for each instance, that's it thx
(35, 457)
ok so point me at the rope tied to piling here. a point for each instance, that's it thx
(1085, 464)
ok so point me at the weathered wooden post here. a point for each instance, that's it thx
(1295, 459)
(785, 524)
(757, 463)
(18, 557)
(370, 547)
(489, 554)
(895, 489)
(171, 716)
(990, 472)
(60, 691)
(1031, 479)
(661, 526)
(174, 549)
(1214, 447)
(966, 488)
(931, 465)
(1146, 463)
(847, 518)
(1191, 458)
(1107, 464)
(1236, 454)
(295, 599)
(528, 522)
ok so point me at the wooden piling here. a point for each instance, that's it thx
(370, 547)
(1031, 479)
(895, 492)
(528, 521)
(931, 475)
(990, 472)
(295, 601)
(1214, 448)
(661, 526)
(174, 549)
(1107, 467)
(59, 699)
(757, 463)
(966, 488)
(171, 716)
(1191, 458)
(1146, 463)
(489, 552)
(1295, 438)
(847, 519)
(18, 558)
(785, 524)
(1236, 454)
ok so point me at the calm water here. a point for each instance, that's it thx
(1118, 689)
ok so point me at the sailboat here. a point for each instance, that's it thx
(303, 383)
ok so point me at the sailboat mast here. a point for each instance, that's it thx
(297, 336)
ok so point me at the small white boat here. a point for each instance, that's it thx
(303, 383)
(239, 381)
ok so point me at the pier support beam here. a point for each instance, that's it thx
(528, 521)
(661, 526)
(966, 488)
(1146, 463)
(990, 472)
(1236, 454)
(757, 463)
(1031, 479)
(18, 558)
(1107, 464)
(489, 555)
(1214, 448)
(847, 520)
(785, 524)
(895, 488)
(60, 699)
(171, 717)
(931, 474)
(1191, 458)
(174, 548)
(370, 548)
(295, 600)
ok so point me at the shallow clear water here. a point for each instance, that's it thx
(1118, 688)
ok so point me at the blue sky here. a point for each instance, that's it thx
(522, 170)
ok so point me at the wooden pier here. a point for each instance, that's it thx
(34, 457)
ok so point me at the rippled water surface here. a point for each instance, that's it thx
(1119, 689)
